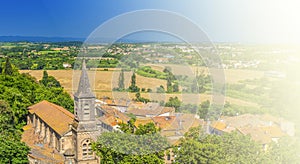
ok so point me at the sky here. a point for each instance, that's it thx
(243, 21)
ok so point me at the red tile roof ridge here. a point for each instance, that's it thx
(60, 108)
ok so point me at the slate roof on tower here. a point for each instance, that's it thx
(84, 88)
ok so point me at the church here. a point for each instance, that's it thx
(55, 135)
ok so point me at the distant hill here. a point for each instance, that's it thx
(37, 39)
(91, 40)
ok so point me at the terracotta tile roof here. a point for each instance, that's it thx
(168, 109)
(116, 113)
(270, 118)
(219, 125)
(112, 116)
(262, 134)
(257, 134)
(151, 112)
(57, 117)
(259, 127)
(170, 123)
(118, 102)
(164, 121)
(109, 120)
(40, 151)
(187, 121)
(244, 120)
(273, 131)
(170, 127)
(137, 105)
(142, 121)
(252, 120)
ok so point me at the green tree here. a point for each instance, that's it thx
(6, 116)
(285, 151)
(174, 102)
(133, 87)
(8, 69)
(129, 127)
(169, 85)
(20, 91)
(160, 89)
(49, 81)
(52, 82)
(145, 146)
(11, 149)
(203, 109)
(228, 148)
(148, 128)
(175, 87)
(141, 99)
(44, 80)
(121, 84)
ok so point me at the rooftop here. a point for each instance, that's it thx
(57, 117)
(38, 150)
(149, 110)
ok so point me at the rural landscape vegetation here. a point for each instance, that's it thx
(260, 80)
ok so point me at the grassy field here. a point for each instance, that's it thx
(231, 75)
(101, 81)
(104, 81)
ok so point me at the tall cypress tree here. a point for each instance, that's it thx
(8, 70)
(44, 80)
(169, 85)
(133, 80)
(121, 80)
(133, 87)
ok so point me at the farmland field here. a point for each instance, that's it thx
(104, 81)
(231, 75)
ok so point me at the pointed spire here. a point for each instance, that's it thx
(84, 87)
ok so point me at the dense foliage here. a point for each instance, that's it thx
(147, 71)
(40, 55)
(12, 150)
(233, 148)
(53, 56)
(141, 144)
(17, 92)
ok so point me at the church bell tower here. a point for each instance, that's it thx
(84, 100)
(86, 130)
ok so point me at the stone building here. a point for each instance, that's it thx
(57, 136)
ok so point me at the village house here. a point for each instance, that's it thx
(263, 129)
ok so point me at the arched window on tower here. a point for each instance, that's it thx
(87, 149)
